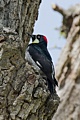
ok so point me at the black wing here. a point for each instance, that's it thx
(45, 64)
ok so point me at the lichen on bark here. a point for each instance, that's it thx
(23, 91)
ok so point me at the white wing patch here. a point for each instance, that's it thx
(38, 64)
(53, 71)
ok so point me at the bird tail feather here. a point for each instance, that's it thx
(56, 82)
(51, 87)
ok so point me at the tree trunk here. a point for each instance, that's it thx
(68, 67)
(23, 92)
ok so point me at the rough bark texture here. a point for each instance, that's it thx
(68, 67)
(23, 91)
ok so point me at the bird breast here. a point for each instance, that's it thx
(30, 60)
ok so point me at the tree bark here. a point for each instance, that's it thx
(68, 68)
(23, 91)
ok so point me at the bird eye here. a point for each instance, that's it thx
(38, 36)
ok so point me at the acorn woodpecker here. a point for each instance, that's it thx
(38, 55)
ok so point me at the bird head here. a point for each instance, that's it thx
(39, 39)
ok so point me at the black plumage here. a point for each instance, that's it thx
(40, 55)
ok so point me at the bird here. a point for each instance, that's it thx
(38, 55)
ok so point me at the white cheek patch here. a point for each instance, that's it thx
(36, 41)
(38, 64)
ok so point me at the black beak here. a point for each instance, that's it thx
(30, 35)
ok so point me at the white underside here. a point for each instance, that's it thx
(30, 60)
